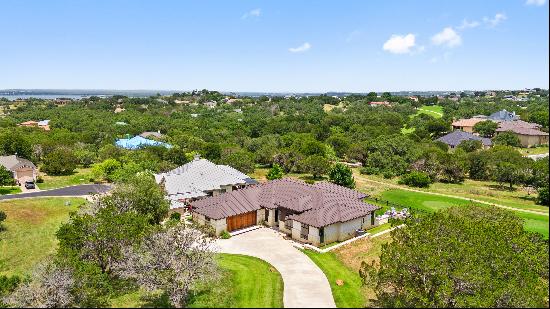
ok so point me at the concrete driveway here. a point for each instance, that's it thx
(305, 285)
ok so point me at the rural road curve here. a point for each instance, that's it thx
(79, 190)
(305, 285)
(459, 197)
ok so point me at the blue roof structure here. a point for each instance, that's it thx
(137, 142)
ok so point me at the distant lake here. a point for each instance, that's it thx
(41, 96)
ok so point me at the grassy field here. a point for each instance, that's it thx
(533, 151)
(247, 282)
(435, 111)
(9, 190)
(30, 231)
(487, 191)
(428, 202)
(81, 176)
(348, 295)
(343, 264)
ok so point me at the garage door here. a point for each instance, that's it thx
(241, 221)
(25, 173)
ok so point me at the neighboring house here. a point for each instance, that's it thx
(528, 137)
(22, 169)
(467, 125)
(137, 142)
(157, 135)
(210, 104)
(382, 103)
(119, 110)
(121, 123)
(43, 124)
(503, 115)
(198, 179)
(318, 214)
(454, 139)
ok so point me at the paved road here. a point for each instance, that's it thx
(305, 285)
(80, 190)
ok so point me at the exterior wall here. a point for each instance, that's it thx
(532, 140)
(469, 129)
(227, 188)
(218, 225)
(283, 229)
(271, 217)
(334, 232)
(260, 216)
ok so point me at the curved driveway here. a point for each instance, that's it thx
(79, 190)
(305, 285)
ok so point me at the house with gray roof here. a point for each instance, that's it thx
(198, 179)
(503, 115)
(456, 137)
(21, 168)
(318, 214)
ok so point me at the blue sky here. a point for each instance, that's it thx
(275, 45)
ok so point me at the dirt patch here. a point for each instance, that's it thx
(365, 249)
(28, 215)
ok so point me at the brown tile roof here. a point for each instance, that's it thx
(318, 205)
(506, 125)
(470, 122)
(523, 131)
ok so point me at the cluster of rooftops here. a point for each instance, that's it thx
(220, 191)
(507, 121)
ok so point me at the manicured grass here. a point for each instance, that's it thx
(246, 282)
(533, 151)
(348, 295)
(81, 176)
(487, 191)
(9, 190)
(29, 236)
(380, 228)
(435, 111)
(428, 202)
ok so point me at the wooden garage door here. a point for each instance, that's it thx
(241, 221)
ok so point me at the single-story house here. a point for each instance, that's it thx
(467, 125)
(198, 179)
(137, 142)
(528, 137)
(157, 135)
(317, 214)
(381, 103)
(454, 139)
(42, 124)
(503, 115)
(22, 169)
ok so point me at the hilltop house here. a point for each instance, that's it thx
(381, 103)
(317, 214)
(22, 169)
(456, 137)
(528, 133)
(198, 179)
(137, 142)
(503, 115)
(467, 125)
(156, 135)
(43, 124)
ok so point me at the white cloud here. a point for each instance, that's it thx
(300, 49)
(252, 13)
(468, 24)
(493, 22)
(447, 37)
(400, 44)
(536, 2)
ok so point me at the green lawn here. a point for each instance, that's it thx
(29, 236)
(380, 228)
(9, 190)
(533, 151)
(435, 111)
(348, 295)
(247, 282)
(430, 203)
(80, 176)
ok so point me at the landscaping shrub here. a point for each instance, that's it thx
(416, 179)
(225, 235)
(175, 216)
